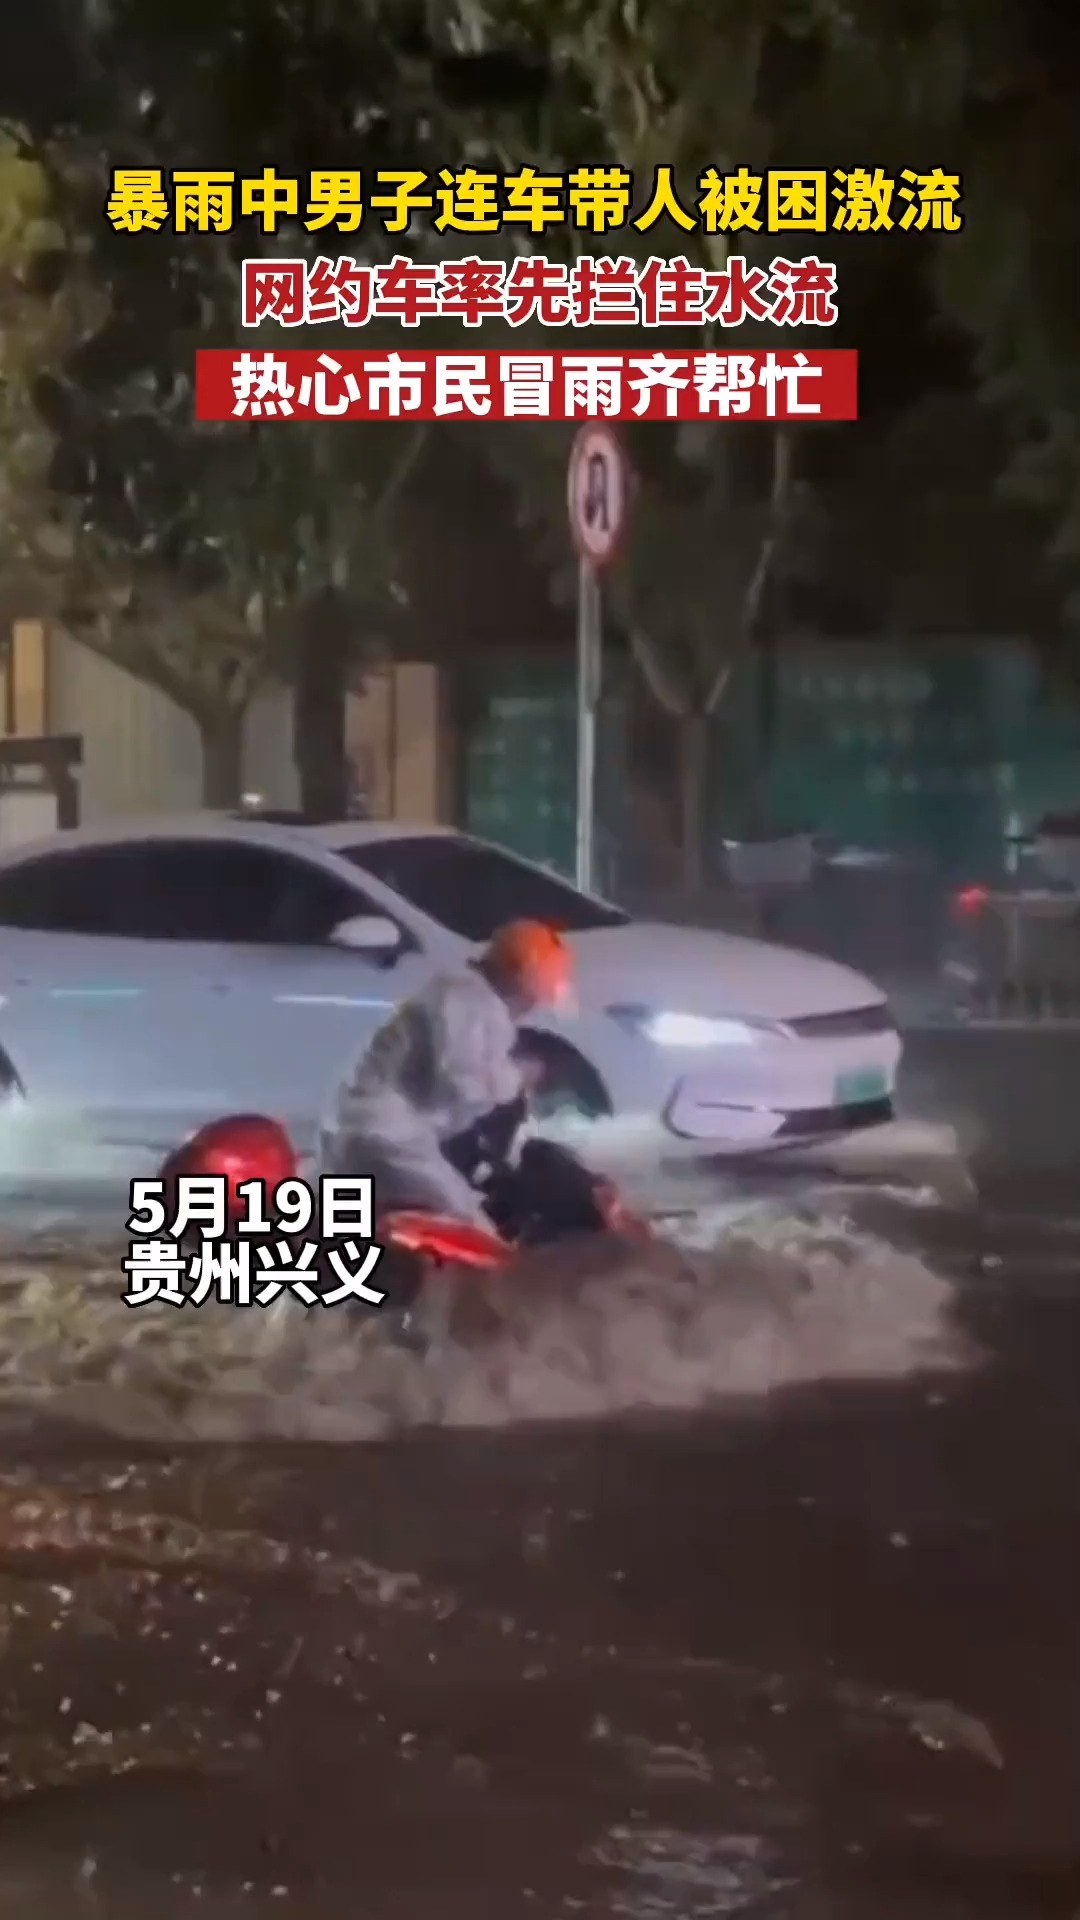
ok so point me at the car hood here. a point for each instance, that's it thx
(685, 970)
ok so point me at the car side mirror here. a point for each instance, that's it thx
(370, 933)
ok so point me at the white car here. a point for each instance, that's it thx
(155, 974)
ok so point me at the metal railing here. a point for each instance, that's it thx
(1006, 954)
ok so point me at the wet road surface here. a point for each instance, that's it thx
(817, 1661)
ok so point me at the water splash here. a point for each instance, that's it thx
(706, 1876)
(738, 1304)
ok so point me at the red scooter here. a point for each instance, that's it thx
(547, 1195)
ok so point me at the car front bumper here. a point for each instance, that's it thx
(786, 1092)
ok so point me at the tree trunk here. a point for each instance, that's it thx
(221, 736)
(766, 659)
(693, 744)
(319, 701)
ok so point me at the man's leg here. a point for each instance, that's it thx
(405, 1174)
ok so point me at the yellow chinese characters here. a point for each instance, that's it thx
(593, 200)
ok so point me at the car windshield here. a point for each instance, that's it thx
(473, 889)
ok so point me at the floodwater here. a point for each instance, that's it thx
(807, 1652)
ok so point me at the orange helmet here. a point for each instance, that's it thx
(535, 956)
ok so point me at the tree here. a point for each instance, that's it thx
(130, 545)
(290, 545)
(206, 559)
(691, 595)
(716, 519)
(25, 345)
(644, 86)
(345, 588)
(206, 562)
(44, 312)
(993, 88)
(1013, 280)
(109, 498)
(930, 541)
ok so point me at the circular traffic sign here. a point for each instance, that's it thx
(596, 492)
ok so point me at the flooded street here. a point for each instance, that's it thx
(811, 1656)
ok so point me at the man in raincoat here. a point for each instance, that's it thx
(440, 1063)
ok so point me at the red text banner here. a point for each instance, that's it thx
(303, 384)
(595, 291)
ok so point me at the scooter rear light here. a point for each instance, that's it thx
(439, 1239)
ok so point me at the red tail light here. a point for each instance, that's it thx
(969, 902)
(243, 1147)
(441, 1239)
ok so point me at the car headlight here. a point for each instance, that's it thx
(667, 1029)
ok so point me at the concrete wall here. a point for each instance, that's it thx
(415, 743)
(393, 734)
(141, 753)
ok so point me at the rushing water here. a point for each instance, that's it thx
(734, 1303)
(788, 1632)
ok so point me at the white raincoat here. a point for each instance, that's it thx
(440, 1063)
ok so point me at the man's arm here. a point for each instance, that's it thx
(474, 1042)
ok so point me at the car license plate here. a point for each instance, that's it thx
(852, 1089)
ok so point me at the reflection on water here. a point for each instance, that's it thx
(664, 1872)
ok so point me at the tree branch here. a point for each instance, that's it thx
(717, 688)
(662, 683)
(770, 545)
(105, 638)
(403, 470)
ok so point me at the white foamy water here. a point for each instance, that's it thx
(664, 1872)
(741, 1302)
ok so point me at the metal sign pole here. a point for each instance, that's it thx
(596, 498)
(590, 640)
